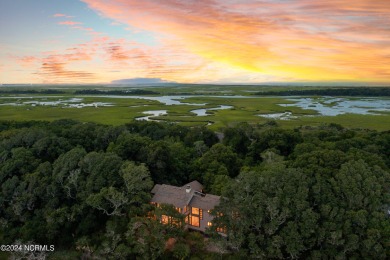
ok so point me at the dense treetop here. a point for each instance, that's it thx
(287, 193)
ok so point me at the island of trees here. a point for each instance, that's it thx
(308, 193)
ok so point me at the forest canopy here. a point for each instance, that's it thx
(310, 192)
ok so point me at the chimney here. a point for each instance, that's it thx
(188, 189)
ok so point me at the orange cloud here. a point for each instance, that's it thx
(54, 65)
(56, 72)
(297, 39)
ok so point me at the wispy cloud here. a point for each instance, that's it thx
(79, 26)
(69, 23)
(62, 15)
(27, 61)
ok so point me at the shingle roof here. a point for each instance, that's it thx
(195, 185)
(207, 202)
(155, 188)
(170, 195)
(178, 197)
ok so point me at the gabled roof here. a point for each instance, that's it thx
(178, 197)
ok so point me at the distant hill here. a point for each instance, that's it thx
(141, 81)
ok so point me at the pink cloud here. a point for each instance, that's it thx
(71, 23)
(78, 26)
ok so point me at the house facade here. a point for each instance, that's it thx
(188, 200)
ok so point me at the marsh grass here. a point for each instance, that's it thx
(245, 109)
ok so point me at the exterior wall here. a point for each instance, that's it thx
(203, 223)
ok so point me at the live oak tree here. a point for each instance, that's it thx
(138, 183)
(146, 237)
(268, 213)
(109, 200)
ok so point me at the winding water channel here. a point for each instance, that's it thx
(323, 106)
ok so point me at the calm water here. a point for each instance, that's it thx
(152, 113)
(174, 100)
(203, 111)
(330, 106)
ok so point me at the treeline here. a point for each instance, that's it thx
(80, 92)
(358, 91)
(303, 193)
(115, 92)
(31, 91)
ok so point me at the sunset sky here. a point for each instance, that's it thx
(195, 41)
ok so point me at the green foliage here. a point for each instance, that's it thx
(239, 137)
(312, 192)
(146, 237)
(137, 181)
(218, 156)
(286, 213)
(181, 251)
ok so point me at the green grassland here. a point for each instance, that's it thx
(245, 109)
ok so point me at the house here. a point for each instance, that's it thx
(188, 200)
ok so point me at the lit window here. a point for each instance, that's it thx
(176, 222)
(195, 221)
(221, 230)
(195, 211)
(164, 219)
(209, 224)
